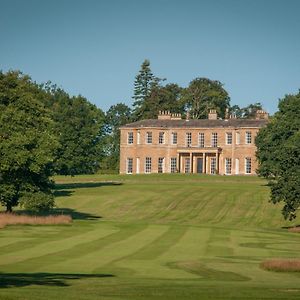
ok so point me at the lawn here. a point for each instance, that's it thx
(153, 237)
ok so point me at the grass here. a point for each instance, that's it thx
(14, 219)
(153, 237)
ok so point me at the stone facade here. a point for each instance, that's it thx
(170, 144)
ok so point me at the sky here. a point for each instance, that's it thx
(96, 48)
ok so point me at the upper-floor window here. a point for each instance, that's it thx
(149, 137)
(188, 139)
(174, 138)
(129, 167)
(248, 166)
(201, 139)
(228, 165)
(130, 138)
(228, 138)
(248, 137)
(148, 165)
(214, 139)
(237, 138)
(161, 138)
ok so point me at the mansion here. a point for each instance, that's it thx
(170, 144)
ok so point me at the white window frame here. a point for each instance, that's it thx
(173, 164)
(149, 137)
(129, 165)
(148, 165)
(248, 165)
(228, 166)
(229, 138)
(213, 165)
(187, 165)
(161, 165)
(201, 139)
(214, 139)
(161, 137)
(130, 138)
(174, 138)
(188, 139)
(248, 137)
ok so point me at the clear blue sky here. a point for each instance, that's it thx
(95, 48)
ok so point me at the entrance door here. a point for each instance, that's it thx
(199, 165)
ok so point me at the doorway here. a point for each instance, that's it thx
(199, 165)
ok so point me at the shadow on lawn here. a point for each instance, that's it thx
(66, 189)
(76, 215)
(9, 280)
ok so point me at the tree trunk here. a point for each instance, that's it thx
(8, 208)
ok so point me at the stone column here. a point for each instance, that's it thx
(204, 163)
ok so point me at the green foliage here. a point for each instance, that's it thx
(116, 116)
(162, 98)
(27, 143)
(278, 152)
(144, 82)
(79, 126)
(204, 94)
(247, 112)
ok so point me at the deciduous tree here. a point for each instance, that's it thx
(27, 144)
(278, 153)
(204, 94)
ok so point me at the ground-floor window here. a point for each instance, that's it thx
(228, 164)
(148, 165)
(129, 168)
(248, 165)
(161, 164)
(187, 165)
(213, 165)
(173, 164)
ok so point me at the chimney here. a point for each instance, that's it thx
(164, 115)
(175, 116)
(261, 115)
(212, 115)
(227, 114)
(187, 116)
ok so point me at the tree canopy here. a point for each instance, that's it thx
(79, 127)
(27, 144)
(204, 94)
(278, 153)
(116, 116)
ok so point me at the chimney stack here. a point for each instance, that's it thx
(261, 114)
(212, 115)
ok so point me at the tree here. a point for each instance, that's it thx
(143, 84)
(116, 116)
(278, 152)
(79, 126)
(162, 98)
(204, 94)
(248, 112)
(27, 144)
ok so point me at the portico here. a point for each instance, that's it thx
(198, 160)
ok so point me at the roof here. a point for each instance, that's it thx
(203, 123)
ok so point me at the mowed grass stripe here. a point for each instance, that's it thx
(46, 247)
(159, 246)
(31, 236)
(112, 252)
(108, 234)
